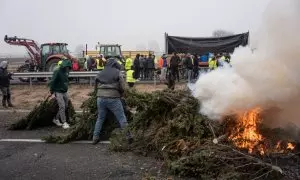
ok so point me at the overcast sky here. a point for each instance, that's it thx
(132, 23)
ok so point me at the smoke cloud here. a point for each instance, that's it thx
(268, 78)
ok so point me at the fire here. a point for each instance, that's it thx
(290, 146)
(246, 135)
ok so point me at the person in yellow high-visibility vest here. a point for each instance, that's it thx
(212, 63)
(128, 63)
(58, 64)
(100, 61)
(130, 77)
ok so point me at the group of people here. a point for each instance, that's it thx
(189, 64)
(94, 64)
(110, 85)
(143, 66)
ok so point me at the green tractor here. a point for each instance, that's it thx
(112, 51)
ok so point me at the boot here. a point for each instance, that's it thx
(4, 101)
(9, 101)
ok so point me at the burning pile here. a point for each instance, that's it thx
(168, 125)
(244, 132)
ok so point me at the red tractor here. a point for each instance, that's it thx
(44, 58)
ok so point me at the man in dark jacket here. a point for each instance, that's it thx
(150, 66)
(196, 66)
(110, 88)
(136, 64)
(174, 63)
(188, 63)
(142, 68)
(5, 78)
(59, 87)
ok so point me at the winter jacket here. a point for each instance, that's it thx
(136, 62)
(4, 75)
(60, 78)
(174, 62)
(128, 64)
(163, 62)
(150, 63)
(188, 63)
(142, 62)
(110, 82)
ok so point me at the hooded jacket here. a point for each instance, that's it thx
(110, 82)
(150, 63)
(4, 75)
(60, 78)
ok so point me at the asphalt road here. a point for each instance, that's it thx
(32, 160)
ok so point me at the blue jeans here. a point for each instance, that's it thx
(115, 106)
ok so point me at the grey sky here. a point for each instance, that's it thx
(132, 23)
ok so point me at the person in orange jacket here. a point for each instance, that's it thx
(163, 64)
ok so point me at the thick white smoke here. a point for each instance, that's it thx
(268, 77)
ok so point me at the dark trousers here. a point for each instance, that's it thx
(6, 95)
(150, 73)
(142, 75)
(196, 72)
(137, 72)
(130, 84)
(172, 78)
(146, 75)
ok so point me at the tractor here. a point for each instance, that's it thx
(111, 50)
(43, 58)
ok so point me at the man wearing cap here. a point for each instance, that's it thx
(5, 78)
(59, 87)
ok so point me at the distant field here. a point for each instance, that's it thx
(14, 63)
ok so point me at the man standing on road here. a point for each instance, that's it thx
(5, 78)
(110, 88)
(163, 64)
(151, 66)
(59, 87)
(174, 63)
(136, 65)
(128, 63)
(189, 65)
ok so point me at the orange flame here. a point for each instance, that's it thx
(290, 146)
(246, 135)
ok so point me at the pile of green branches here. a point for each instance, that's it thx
(167, 124)
(85, 122)
(42, 115)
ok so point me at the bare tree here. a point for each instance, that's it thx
(222, 33)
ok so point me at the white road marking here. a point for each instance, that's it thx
(42, 141)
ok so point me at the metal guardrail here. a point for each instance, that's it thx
(32, 75)
(49, 74)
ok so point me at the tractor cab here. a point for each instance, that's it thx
(111, 50)
(50, 51)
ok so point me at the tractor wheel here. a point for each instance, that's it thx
(51, 65)
(23, 69)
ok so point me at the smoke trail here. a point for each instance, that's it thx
(268, 77)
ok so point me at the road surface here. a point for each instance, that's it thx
(35, 160)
